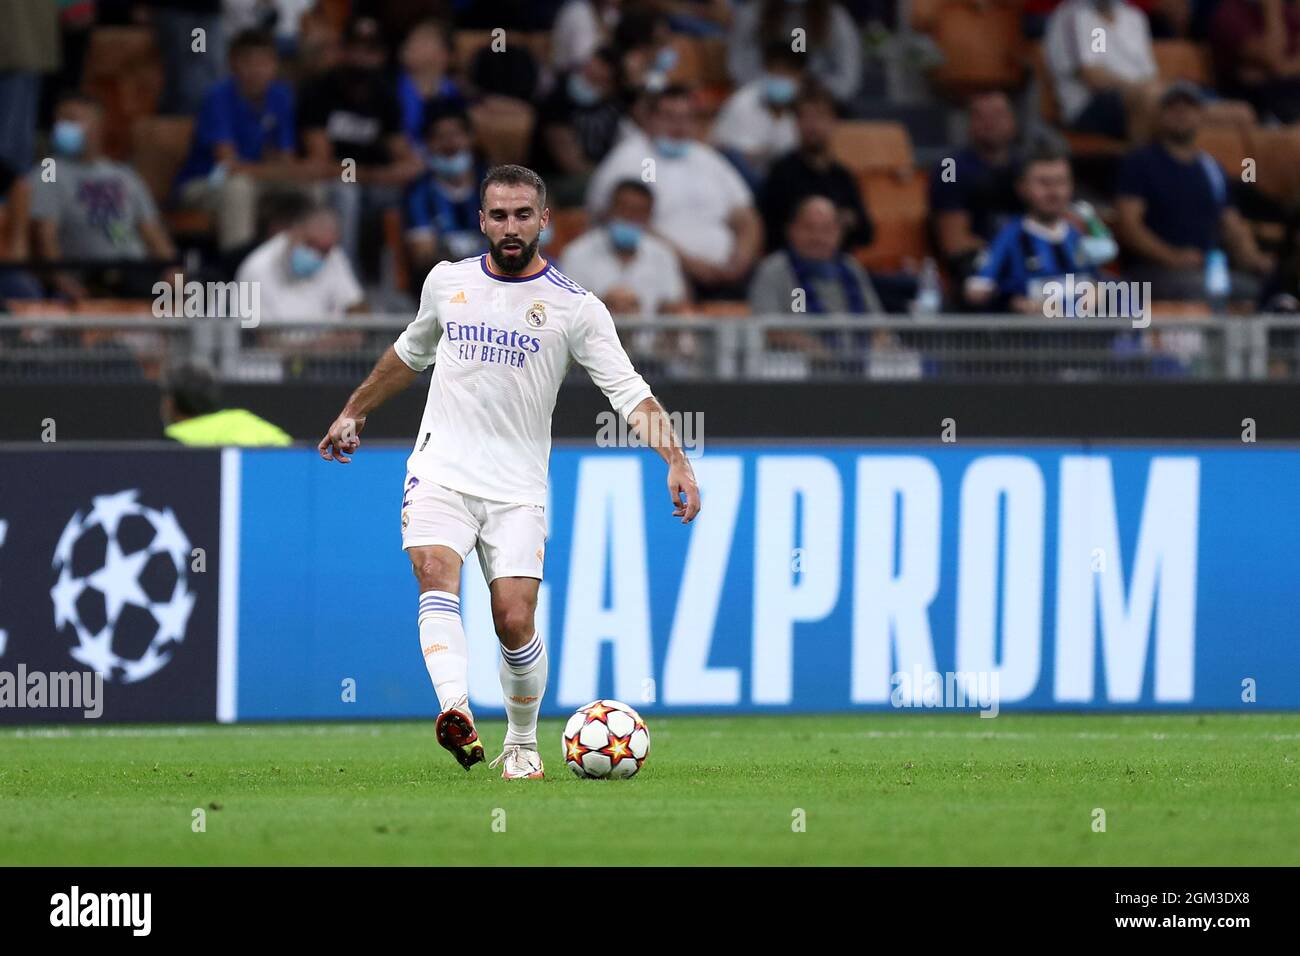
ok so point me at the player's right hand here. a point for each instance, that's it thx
(343, 438)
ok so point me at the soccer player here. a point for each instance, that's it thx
(499, 330)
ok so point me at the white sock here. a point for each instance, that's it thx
(446, 653)
(523, 681)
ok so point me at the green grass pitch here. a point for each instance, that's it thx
(898, 788)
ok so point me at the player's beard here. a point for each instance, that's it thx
(513, 264)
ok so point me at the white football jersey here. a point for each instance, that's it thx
(500, 347)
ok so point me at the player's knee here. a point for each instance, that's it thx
(435, 573)
(514, 624)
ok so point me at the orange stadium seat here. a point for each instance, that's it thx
(1182, 60)
(899, 207)
(873, 146)
(1226, 142)
(1276, 151)
(984, 45)
(566, 225)
(124, 72)
(159, 145)
(503, 127)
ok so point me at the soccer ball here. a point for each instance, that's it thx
(605, 739)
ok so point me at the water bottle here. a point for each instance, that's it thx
(929, 294)
(1098, 244)
(1217, 283)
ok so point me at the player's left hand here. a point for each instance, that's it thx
(342, 439)
(681, 481)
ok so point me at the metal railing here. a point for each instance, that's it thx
(85, 349)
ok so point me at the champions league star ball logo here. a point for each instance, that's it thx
(122, 587)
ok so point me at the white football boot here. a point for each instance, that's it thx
(522, 762)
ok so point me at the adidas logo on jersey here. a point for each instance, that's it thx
(458, 298)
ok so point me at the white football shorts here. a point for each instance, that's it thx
(510, 538)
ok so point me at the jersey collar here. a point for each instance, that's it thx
(482, 261)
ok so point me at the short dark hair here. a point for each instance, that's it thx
(635, 185)
(439, 110)
(193, 388)
(1044, 151)
(251, 39)
(512, 175)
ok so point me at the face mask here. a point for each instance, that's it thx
(68, 138)
(625, 235)
(581, 91)
(305, 261)
(457, 164)
(779, 90)
(666, 60)
(671, 148)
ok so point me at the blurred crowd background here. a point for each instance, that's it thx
(805, 156)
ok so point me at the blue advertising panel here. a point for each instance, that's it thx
(818, 578)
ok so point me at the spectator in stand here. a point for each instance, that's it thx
(812, 170)
(972, 198)
(304, 276)
(703, 208)
(577, 126)
(15, 247)
(425, 84)
(352, 114)
(189, 75)
(95, 211)
(192, 414)
(1108, 91)
(1040, 246)
(1111, 91)
(1167, 19)
(757, 122)
(281, 18)
(244, 141)
(1256, 47)
(1175, 204)
(833, 41)
(581, 28)
(442, 206)
(29, 47)
(811, 273)
(633, 271)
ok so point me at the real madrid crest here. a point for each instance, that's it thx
(536, 315)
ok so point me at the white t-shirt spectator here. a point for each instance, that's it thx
(694, 194)
(1071, 41)
(576, 34)
(653, 272)
(746, 125)
(323, 297)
